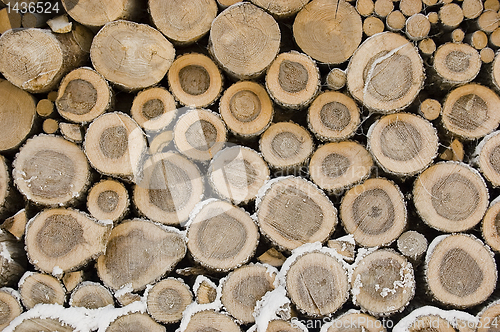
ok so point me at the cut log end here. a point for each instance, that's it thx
(38, 288)
(430, 109)
(281, 8)
(491, 226)
(460, 270)
(108, 200)
(96, 16)
(336, 79)
(489, 158)
(91, 295)
(457, 63)
(222, 236)
(71, 132)
(272, 257)
(413, 245)
(356, 321)
(10, 306)
(209, 320)
(135, 322)
(154, 109)
(167, 300)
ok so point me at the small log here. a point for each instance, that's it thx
(43, 324)
(160, 142)
(246, 109)
(451, 15)
(50, 126)
(395, 21)
(450, 196)
(17, 112)
(472, 8)
(183, 22)
(195, 80)
(135, 322)
(167, 300)
(5, 189)
(492, 5)
(154, 109)
(243, 57)
(237, 173)
(209, 319)
(12, 259)
(221, 236)
(124, 299)
(454, 152)
(317, 284)
(495, 72)
(372, 25)
(488, 21)
(64, 239)
(9, 20)
(336, 79)
(427, 46)
(495, 38)
(281, 8)
(403, 143)
(138, 253)
(72, 279)
(96, 14)
(83, 96)
(272, 257)
(374, 212)
(199, 134)
(91, 295)
(313, 23)
(286, 145)
(382, 283)
(354, 320)
(108, 200)
(133, 56)
(243, 288)
(430, 109)
(16, 224)
(337, 166)
(48, 170)
(11, 307)
(36, 288)
(365, 7)
(205, 290)
(279, 325)
(490, 226)
(36, 60)
(114, 145)
(488, 317)
(471, 111)
(487, 55)
(413, 245)
(488, 158)
(385, 73)
(60, 24)
(383, 7)
(457, 35)
(170, 188)
(71, 132)
(478, 39)
(410, 7)
(293, 80)
(418, 27)
(344, 247)
(293, 211)
(460, 270)
(45, 108)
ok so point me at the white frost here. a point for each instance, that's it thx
(5, 253)
(454, 317)
(273, 305)
(57, 271)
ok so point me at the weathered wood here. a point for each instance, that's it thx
(11, 307)
(374, 212)
(114, 145)
(418, 27)
(450, 196)
(413, 245)
(236, 40)
(427, 46)
(383, 283)
(385, 73)
(456, 63)
(336, 79)
(343, 247)
(12, 259)
(460, 270)
(451, 15)
(490, 226)
(430, 109)
(488, 159)
(372, 25)
(195, 80)
(478, 39)
(97, 13)
(438, 320)
(72, 279)
(36, 288)
(48, 170)
(83, 96)
(16, 224)
(457, 35)
(395, 21)
(133, 56)
(293, 80)
(154, 109)
(71, 132)
(199, 134)
(183, 22)
(36, 59)
(354, 320)
(167, 300)
(17, 115)
(365, 7)
(313, 23)
(403, 143)
(5, 184)
(237, 173)
(108, 200)
(286, 145)
(243, 288)
(43, 325)
(383, 7)
(91, 295)
(317, 284)
(293, 211)
(63, 240)
(246, 108)
(337, 166)
(488, 317)
(410, 7)
(138, 253)
(221, 236)
(278, 325)
(281, 8)
(170, 188)
(135, 322)
(472, 8)
(272, 257)
(488, 21)
(208, 320)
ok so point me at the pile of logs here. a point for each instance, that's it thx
(261, 166)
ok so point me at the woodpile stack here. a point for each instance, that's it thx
(261, 166)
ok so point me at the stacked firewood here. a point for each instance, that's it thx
(266, 165)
